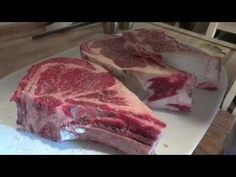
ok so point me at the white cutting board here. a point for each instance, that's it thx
(183, 133)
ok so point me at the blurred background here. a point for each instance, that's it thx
(225, 31)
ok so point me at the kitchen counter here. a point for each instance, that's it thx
(22, 51)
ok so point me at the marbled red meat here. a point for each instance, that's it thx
(166, 86)
(116, 50)
(65, 99)
(205, 67)
(144, 73)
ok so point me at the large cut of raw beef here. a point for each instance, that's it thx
(154, 82)
(65, 99)
(205, 67)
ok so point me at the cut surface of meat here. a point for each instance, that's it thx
(70, 98)
(206, 68)
(153, 81)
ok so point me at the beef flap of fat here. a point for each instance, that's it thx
(66, 98)
(205, 67)
(154, 82)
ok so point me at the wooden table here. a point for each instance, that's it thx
(17, 51)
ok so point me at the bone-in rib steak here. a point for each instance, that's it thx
(154, 82)
(187, 58)
(65, 99)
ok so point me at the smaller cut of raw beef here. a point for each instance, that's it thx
(66, 99)
(154, 82)
(206, 68)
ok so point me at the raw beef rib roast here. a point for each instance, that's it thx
(154, 82)
(192, 60)
(65, 99)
